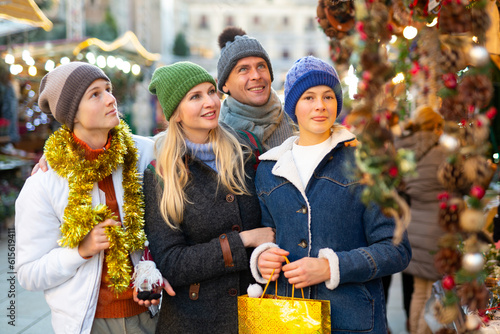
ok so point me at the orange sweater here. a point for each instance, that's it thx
(110, 305)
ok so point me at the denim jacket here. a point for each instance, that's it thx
(327, 219)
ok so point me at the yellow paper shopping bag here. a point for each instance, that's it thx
(275, 314)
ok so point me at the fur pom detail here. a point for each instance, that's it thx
(254, 291)
(228, 35)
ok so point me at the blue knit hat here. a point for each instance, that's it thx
(309, 72)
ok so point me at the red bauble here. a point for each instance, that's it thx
(448, 282)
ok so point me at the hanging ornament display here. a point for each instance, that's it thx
(445, 67)
(454, 17)
(336, 17)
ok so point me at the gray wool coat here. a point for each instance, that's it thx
(424, 230)
(193, 254)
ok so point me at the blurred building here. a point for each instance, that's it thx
(287, 29)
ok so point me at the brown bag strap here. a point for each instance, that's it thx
(226, 250)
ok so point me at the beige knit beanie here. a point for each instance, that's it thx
(62, 89)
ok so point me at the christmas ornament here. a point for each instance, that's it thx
(451, 143)
(448, 282)
(473, 262)
(67, 159)
(336, 18)
(449, 213)
(147, 279)
(447, 260)
(471, 220)
(472, 322)
(479, 56)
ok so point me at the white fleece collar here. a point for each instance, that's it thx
(285, 165)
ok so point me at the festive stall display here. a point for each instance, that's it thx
(441, 61)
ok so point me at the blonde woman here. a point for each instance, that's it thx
(202, 214)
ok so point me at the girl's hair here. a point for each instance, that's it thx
(170, 151)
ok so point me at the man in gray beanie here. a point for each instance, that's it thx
(245, 74)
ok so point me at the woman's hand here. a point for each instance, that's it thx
(269, 260)
(307, 271)
(257, 236)
(96, 240)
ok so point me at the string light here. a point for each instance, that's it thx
(410, 32)
(400, 77)
(101, 61)
(9, 59)
(433, 23)
(32, 70)
(49, 65)
(136, 69)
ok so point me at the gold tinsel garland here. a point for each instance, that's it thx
(67, 158)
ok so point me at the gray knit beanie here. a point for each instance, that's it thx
(62, 89)
(309, 72)
(171, 83)
(242, 47)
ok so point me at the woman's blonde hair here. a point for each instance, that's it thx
(170, 151)
(426, 119)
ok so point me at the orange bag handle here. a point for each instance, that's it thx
(276, 289)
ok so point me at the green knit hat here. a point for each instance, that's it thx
(171, 83)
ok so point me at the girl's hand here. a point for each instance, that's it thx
(96, 240)
(307, 271)
(257, 236)
(148, 302)
(42, 164)
(269, 260)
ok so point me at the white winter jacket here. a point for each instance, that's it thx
(70, 283)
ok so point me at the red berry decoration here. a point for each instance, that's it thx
(477, 192)
(448, 282)
(450, 80)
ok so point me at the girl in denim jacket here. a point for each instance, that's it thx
(338, 247)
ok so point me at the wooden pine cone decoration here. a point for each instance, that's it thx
(340, 53)
(399, 16)
(478, 131)
(480, 21)
(453, 108)
(477, 90)
(451, 59)
(376, 27)
(447, 260)
(474, 295)
(477, 170)
(454, 18)
(336, 18)
(449, 215)
(451, 176)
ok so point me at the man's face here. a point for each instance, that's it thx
(249, 82)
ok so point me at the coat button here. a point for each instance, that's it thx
(230, 198)
(302, 210)
(194, 295)
(303, 244)
(236, 228)
(233, 292)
